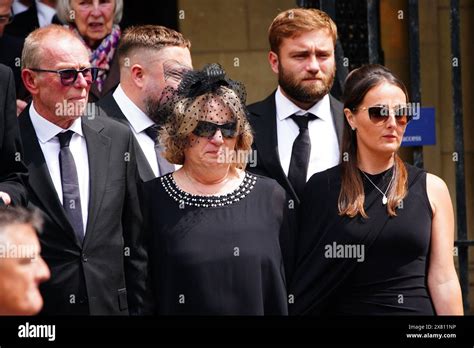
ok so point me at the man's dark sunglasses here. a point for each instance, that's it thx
(208, 129)
(69, 76)
(380, 113)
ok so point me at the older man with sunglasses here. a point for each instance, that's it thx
(84, 178)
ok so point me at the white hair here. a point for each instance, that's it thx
(63, 11)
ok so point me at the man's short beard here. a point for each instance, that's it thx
(309, 94)
(152, 109)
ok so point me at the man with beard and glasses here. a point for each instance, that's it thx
(298, 128)
(151, 58)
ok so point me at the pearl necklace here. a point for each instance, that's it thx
(182, 197)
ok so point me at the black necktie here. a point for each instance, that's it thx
(163, 165)
(70, 185)
(300, 153)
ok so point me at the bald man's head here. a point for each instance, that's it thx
(43, 38)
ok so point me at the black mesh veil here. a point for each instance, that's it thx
(202, 95)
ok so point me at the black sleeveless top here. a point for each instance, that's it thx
(357, 266)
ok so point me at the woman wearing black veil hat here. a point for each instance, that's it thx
(214, 228)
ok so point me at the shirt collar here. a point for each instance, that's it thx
(285, 107)
(135, 116)
(47, 13)
(46, 130)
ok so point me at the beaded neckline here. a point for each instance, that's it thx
(180, 196)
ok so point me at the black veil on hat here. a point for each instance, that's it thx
(209, 99)
(212, 83)
(208, 80)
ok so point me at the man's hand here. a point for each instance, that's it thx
(6, 198)
(20, 106)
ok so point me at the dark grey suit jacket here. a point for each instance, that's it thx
(110, 106)
(13, 173)
(105, 275)
(263, 121)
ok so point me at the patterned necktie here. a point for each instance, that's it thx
(164, 166)
(300, 153)
(70, 185)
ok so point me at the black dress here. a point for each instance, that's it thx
(357, 266)
(217, 255)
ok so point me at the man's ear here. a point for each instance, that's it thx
(273, 60)
(137, 75)
(350, 118)
(30, 80)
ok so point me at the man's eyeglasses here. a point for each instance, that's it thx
(379, 114)
(174, 71)
(6, 19)
(208, 129)
(69, 76)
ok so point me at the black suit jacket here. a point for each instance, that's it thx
(110, 106)
(263, 121)
(27, 21)
(13, 173)
(10, 55)
(24, 22)
(106, 274)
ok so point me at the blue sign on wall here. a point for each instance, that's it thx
(421, 129)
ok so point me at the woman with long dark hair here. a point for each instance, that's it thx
(376, 233)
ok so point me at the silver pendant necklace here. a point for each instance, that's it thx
(384, 194)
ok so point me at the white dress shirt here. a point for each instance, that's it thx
(325, 151)
(49, 143)
(45, 14)
(18, 7)
(138, 122)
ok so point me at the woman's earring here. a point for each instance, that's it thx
(354, 128)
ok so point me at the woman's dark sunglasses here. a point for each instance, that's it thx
(69, 76)
(379, 114)
(208, 129)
